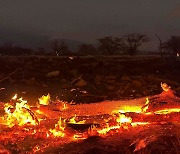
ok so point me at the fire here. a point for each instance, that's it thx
(79, 136)
(134, 124)
(165, 87)
(145, 108)
(44, 100)
(58, 131)
(105, 130)
(64, 105)
(166, 111)
(136, 109)
(14, 97)
(123, 119)
(72, 120)
(38, 125)
(118, 121)
(20, 114)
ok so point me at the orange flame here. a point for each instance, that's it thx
(44, 100)
(58, 131)
(21, 115)
(165, 87)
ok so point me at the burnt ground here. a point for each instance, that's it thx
(87, 79)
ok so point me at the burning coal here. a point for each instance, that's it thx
(52, 123)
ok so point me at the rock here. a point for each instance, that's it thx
(111, 77)
(154, 86)
(110, 81)
(44, 85)
(177, 89)
(65, 86)
(110, 87)
(74, 72)
(137, 70)
(80, 83)
(146, 92)
(137, 83)
(52, 74)
(98, 79)
(125, 78)
(143, 81)
(63, 80)
(138, 95)
(32, 82)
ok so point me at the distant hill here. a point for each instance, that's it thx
(34, 40)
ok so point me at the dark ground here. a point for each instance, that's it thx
(87, 79)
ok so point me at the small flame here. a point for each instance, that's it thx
(64, 106)
(105, 130)
(165, 87)
(72, 120)
(145, 108)
(44, 100)
(123, 119)
(14, 97)
(58, 131)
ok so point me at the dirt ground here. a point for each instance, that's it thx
(87, 79)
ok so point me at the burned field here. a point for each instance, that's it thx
(89, 105)
(87, 79)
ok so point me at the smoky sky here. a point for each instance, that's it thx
(87, 20)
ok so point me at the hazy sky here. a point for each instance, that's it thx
(87, 20)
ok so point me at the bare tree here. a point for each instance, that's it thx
(163, 46)
(172, 46)
(133, 41)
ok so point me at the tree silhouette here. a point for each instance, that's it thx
(87, 49)
(174, 44)
(109, 45)
(9, 49)
(163, 46)
(133, 41)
